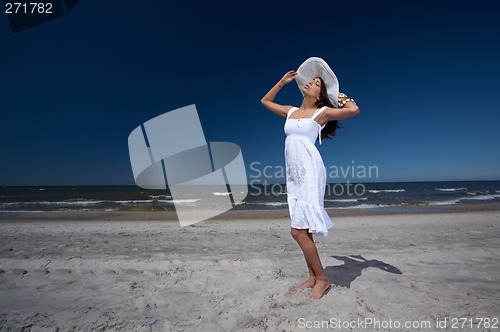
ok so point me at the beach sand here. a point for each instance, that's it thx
(129, 272)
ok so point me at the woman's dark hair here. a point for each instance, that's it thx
(331, 126)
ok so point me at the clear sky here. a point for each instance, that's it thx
(425, 74)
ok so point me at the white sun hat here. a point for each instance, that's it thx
(314, 67)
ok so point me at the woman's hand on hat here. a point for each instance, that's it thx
(288, 77)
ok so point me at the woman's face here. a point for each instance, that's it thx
(313, 88)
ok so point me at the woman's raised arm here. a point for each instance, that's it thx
(267, 100)
(348, 110)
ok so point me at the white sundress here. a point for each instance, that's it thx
(305, 174)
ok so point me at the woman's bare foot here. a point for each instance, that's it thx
(321, 287)
(309, 283)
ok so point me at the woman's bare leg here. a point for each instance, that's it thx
(317, 277)
(309, 283)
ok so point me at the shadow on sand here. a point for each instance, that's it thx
(344, 275)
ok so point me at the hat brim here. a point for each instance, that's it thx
(314, 67)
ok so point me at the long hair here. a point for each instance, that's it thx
(331, 126)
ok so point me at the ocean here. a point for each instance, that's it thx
(260, 197)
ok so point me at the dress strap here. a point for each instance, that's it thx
(291, 110)
(318, 112)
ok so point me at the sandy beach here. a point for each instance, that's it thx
(418, 270)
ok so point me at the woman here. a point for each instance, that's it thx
(305, 172)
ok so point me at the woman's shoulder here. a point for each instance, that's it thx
(291, 110)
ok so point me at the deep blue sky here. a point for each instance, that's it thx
(425, 75)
